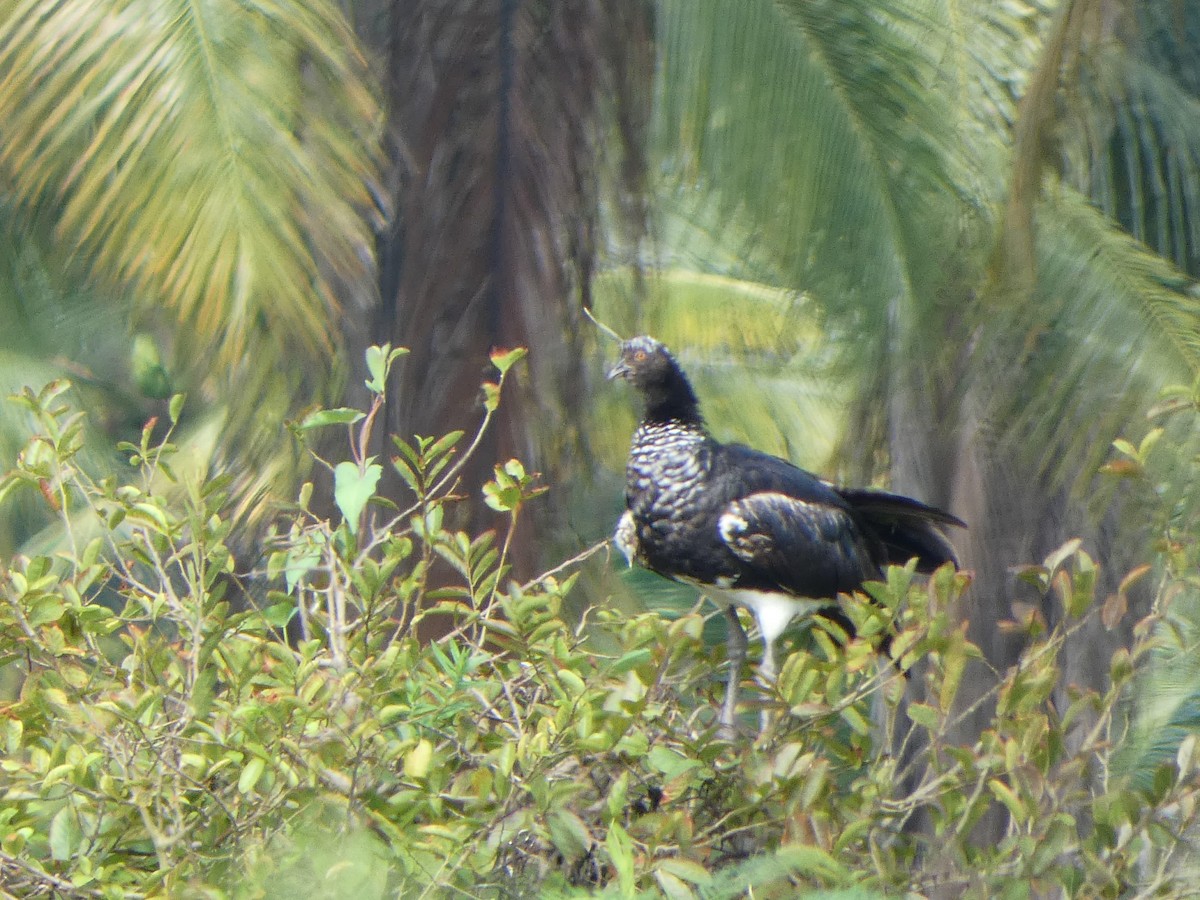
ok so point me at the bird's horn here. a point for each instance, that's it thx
(604, 328)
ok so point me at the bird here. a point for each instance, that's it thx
(748, 528)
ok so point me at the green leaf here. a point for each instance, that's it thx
(924, 715)
(1059, 556)
(299, 561)
(669, 762)
(279, 614)
(13, 731)
(251, 772)
(1124, 447)
(686, 869)
(61, 772)
(64, 834)
(574, 685)
(506, 359)
(1149, 441)
(1005, 795)
(631, 660)
(418, 759)
(1121, 666)
(620, 851)
(444, 443)
(379, 364)
(45, 609)
(673, 888)
(491, 396)
(377, 367)
(322, 417)
(855, 719)
(568, 834)
(352, 488)
(1083, 586)
(500, 498)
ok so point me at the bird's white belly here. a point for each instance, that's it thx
(772, 610)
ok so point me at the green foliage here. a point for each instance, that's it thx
(797, 115)
(200, 174)
(162, 739)
(1163, 464)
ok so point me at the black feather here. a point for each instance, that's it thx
(908, 528)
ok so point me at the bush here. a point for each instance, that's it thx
(165, 740)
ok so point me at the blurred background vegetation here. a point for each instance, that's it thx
(947, 247)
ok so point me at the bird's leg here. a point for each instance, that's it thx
(767, 667)
(736, 650)
(767, 673)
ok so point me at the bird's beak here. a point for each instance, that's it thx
(620, 370)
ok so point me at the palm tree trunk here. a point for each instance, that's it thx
(1016, 515)
(497, 110)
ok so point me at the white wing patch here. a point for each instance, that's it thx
(750, 543)
(731, 526)
(734, 529)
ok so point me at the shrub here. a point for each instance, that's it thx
(164, 740)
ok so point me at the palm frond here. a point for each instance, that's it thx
(1134, 146)
(1111, 324)
(1015, 259)
(817, 120)
(171, 143)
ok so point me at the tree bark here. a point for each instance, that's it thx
(497, 115)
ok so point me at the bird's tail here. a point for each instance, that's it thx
(906, 527)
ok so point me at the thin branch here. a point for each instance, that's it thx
(573, 561)
(52, 882)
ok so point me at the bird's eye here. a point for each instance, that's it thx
(639, 356)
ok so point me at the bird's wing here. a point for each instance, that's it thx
(806, 547)
(907, 528)
(891, 528)
(885, 504)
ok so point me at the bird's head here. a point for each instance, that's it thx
(650, 367)
(643, 361)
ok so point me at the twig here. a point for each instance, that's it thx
(53, 882)
(578, 558)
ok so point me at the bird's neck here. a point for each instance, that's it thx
(673, 401)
